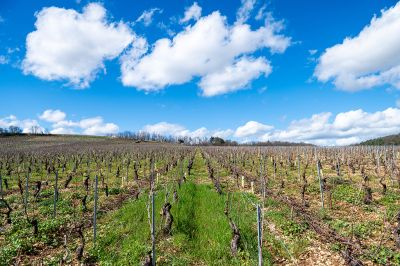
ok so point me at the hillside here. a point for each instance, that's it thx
(388, 140)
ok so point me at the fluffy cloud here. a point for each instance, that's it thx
(261, 12)
(244, 11)
(27, 125)
(61, 130)
(100, 128)
(52, 116)
(199, 133)
(225, 134)
(88, 126)
(176, 130)
(164, 128)
(56, 118)
(210, 49)
(193, 12)
(235, 76)
(322, 129)
(72, 46)
(343, 129)
(90, 122)
(368, 60)
(147, 16)
(252, 129)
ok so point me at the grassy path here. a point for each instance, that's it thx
(201, 234)
(287, 239)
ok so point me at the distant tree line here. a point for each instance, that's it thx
(388, 140)
(154, 137)
(14, 130)
(212, 141)
(143, 136)
(276, 143)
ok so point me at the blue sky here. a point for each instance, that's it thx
(244, 70)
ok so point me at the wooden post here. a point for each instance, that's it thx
(262, 179)
(181, 169)
(391, 167)
(259, 235)
(55, 195)
(95, 210)
(298, 166)
(320, 183)
(1, 186)
(26, 193)
(153, 216)
(153, 230)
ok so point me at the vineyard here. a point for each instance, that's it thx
(110, 201)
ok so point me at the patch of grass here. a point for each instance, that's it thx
(203, 229)
(124, 236)
(384, 256)
(347, 193)
(295, 231)
(18, 239)
(390, 201)
(280, 215)
(200, 233)
(361, 230)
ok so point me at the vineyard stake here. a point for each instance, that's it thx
(392, 165)
(262, 179)
(260, 260)
(320, 183)
(153, 230)
(95, 210)
(1, 186)
(55, 195)
(298, 166)
(26, 193)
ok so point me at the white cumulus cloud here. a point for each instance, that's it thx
(72, 46)
(101, 128)
(176, 130)
(147, 16)
(52, 116)
(225, 134)
(244, 11)
(27, 125)
(88, 126)
(234, 77)
(252, 129)
(370, 59)
(193, 12)
(61, 130)
(345, 128)
(210, 49)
